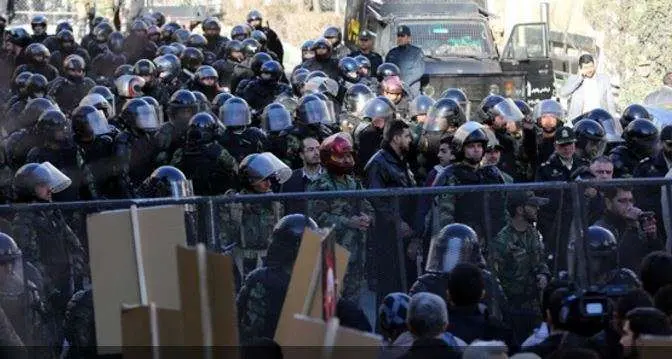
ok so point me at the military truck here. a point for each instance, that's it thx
(459, 47)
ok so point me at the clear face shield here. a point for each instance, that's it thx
(508, 110)
(59, 181)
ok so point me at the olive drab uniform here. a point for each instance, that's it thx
(249, 226)
(210, 167)
(336, 213)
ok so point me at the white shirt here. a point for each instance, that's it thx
(591, 95)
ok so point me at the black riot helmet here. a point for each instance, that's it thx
(271, 71)
(38, 54)
(39, 24)
(240, 32)
(197, 40)
(254, 15)
(53, 126)
(235, 113)
(211, 24)
(219, 100)
(251, 47)
(206, 72)
(495, 105)
(524, 108)
(181, 107)
(641, 137)
(107, 95)
(202, 100)
(387, 69)
(34, 110)
(168, 29)
(286, 240)
(87, 123)
(458, 96)
(19, 36)
(116, 42)
(27, 178)
(191, 58)
(157, 106)
(469, 132)
(307, 52)
(167, 181)
(260, 36)
(138, 115)
(312, 110)
(591, 139)
(231, 47)
(364, 65)
(159, 18)
(9, 251)
(444, 115)
(275, 118)
(258, 60)
(379, 108)
(298, 80)
(420, 106)
(347, 68)
(66, 39)
(613, 128)
(20, 83)
(456, 243)
(634, 112)
(96, 21)
(333, 32)
(356, 97)
(64, 25)
(100, 103)
(144, 68)
(74, 67)
(179, 46)
(168, 67)
(202, 129)
(36, 86)
(139, 28)
(102, 32)
(258, 167)
(602, 248)
(322, 44)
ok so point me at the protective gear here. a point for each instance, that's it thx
(108, 96)
(641, 137)
(36, 86)
(322, 44)
(168, 181)
(206, 72)
(197, 41)
(276, 118)
(548, 107)
(286, 239)
(167, 49)
(37, 54)
(27, 178)
(202, 129)
(591, 139)
(495, 105)
(168, 67)
(260, 37)
(460, 97)
(444, 115)
(602, 252)
(53, 127)
(129, 86)
(271, 71)
(333, 32)
(182, 106)
(356, 97)
(634, 112)
(307, 50)
(387, 69)
(116, 42)
(312, 110)
(612, 127)
(298, 80)
(11, 256)
(19, 37)
(139, 26)
(469, 132)
(159, 18)
(393, 311)
(456, 243)
(379, 108)
(421, 105)
(191, 58)
(88, 122)
(251, 47)
(231, 47)
(235, 113)
(211, 24)
(167, 31)
(123, 70)
(33, 110)
(254, 15)
(219, 100)
(144, 68)
(336, 155)
(202, 100)
(19, 85)
(139, 115)
(364, 63)
(347, 67)
(74, 67)
(39, 25)
(157, 106)
(102, 32)
(240, 32)
(259, 60)
(257, 167)
(66, 39)
(99, 103)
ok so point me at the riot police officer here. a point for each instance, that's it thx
(18, 88)
(39, 25)
(211, 31)
(69, 89)
(282, 141)
(368, 135)
(67, 47)
(458, 243)
(460, 97)
(191, 59)
(263, 42)
(263, 90)
(409, 58)
(147, 70)
(496, 112)
(641, 141)
(334, 35)
(323, 60)
(539, 137)
(99, 43)
(104, 65)
(203, 160)
(248, 70)
(171, 136)
(37, 57)
(612, 127)
(25, 137)
(106, 102)
(254, 19)
(366, 50)
(469, 143)
(36, 87)
(239, 138)
(634, 112)
(137, 46)
(347, 68)
(231, 57)
(354, 100)
(206, 80)
(591, 139)
(240, 32)
(169, 68)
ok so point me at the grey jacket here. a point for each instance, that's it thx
(575, 91)
(660, 98)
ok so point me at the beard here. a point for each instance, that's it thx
(472, 161)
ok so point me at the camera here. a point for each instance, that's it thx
(586, 312)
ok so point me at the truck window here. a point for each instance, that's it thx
(454, 38)
(527, 41)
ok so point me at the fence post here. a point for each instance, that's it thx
(666, 219)
(399, 243)
(579, 246)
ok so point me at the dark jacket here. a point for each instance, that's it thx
(375, 59)
(297, 183)
(410, 60)
(470, 323)
(625, 161)
(434, 348)
(329, 66)
(556, 342)
(649, 197)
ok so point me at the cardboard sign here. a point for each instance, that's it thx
(304, 295)
(132, 268)
(311, 332)
(654, 347)
(146, 329)
(208, 296)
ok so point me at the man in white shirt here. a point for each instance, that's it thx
(663, 96)
(588, 90)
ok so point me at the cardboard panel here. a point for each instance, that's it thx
(113, 273)
(137, 331)
(654, 347)
(187, 264)
(310, 332)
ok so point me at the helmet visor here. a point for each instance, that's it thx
(59, 181)
(98, 123)
(508, 110)
(146, 119)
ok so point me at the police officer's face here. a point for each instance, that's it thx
(43, 192)
(365, 44)
(332, 40)
(38, 29)
(255, 23)
(262, 186)
(393, 95)
(237, 56)
(473, 152)
(602, 171)
(363, 71)
(321, 51)
(566, 150)
(212, 32)
(403, 40)
(622, 204)
(421, 118)
(499, 123)
(209, 81)
(492, 157)
(445, 154)
(307, 55)
(548, 123)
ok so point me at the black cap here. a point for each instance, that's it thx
(403, 30)
(564, 135)
(526, 198)
(365, 35)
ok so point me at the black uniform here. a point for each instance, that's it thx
(375, 59)
(225, 69)
(329, 66)
(259, 93)
(410, 60)
(625, 161)
(58, 56)
(136, 154)
(274, 44)
(104, 64)
(67, 92)
(46, 70)
(136, 48)
(241, 143)
(18, 144)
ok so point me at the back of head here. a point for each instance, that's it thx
(465, 285)
(663, 299)
(427, 315)
(480, 349)
(648, 321)
(656, 271)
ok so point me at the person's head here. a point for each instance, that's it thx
(445, 153)
(643, 321)
(465, 285)
(403, 35)
(631, 300)
(365, 41)
(555, 305)
(392, 315)
(393, 89)
(619, 200)
(397, 135)
(492, 155)
(655, 271)
(525, 206)
(602, 168)
(565, 143)
(667, 79)
(427, 315)
(479, 349)
(546, 294)
(663, 300)
(310, 151)
(587, 65)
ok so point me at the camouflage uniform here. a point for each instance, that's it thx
(210, 167)
(336, 213)
(249, 225)
(517, 258)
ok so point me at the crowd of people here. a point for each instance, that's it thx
(160, 110)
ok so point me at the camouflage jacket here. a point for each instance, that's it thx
(517, 258)
(249, 225)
